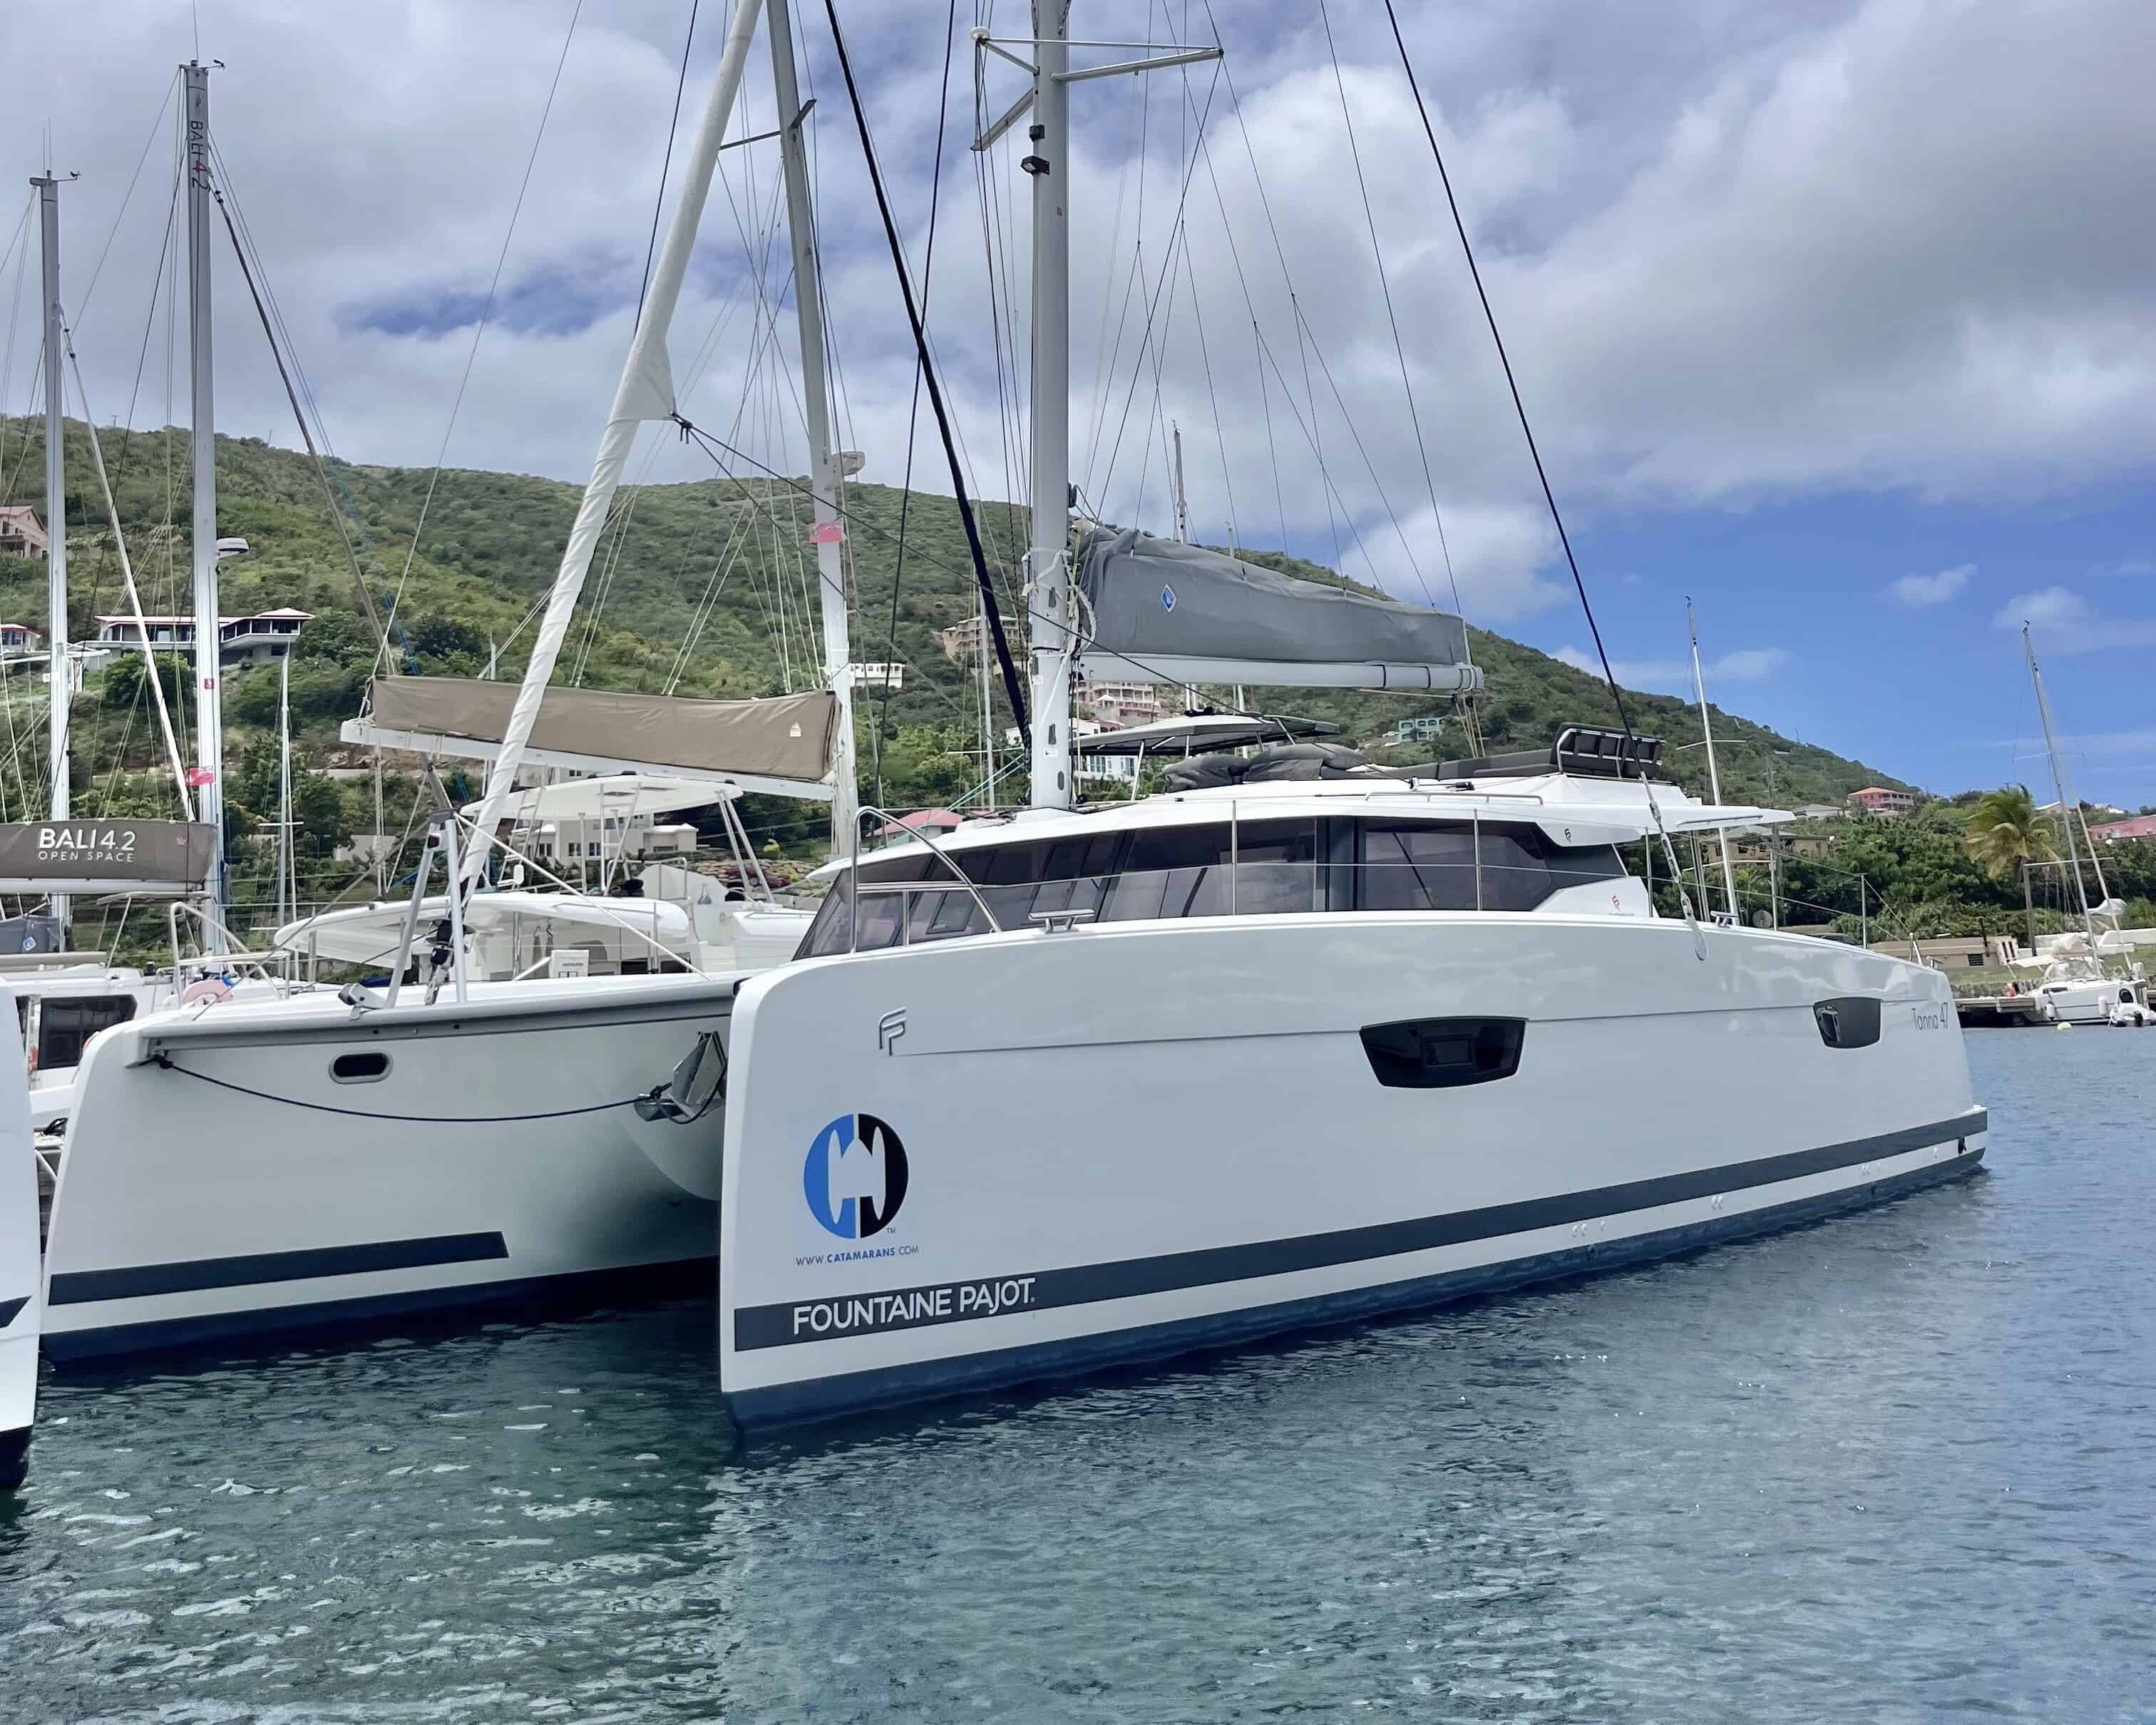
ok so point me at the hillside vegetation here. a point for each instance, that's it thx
(721, 562)
(707, 588)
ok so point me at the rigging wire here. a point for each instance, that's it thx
(1160, 287)
(1549, 496)
(1519, 406)
(149, 143)
(149, 325)
(913, 413)
(928, 376)
(14, 316)
(665, 167)
(486, 313)
(321, 471)
(718, 449)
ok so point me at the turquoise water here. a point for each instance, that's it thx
(1899, 1466)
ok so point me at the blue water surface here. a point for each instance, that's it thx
(1898, 1466)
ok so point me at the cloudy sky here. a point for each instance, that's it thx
(1839, 318)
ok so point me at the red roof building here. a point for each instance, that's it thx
(934, 822)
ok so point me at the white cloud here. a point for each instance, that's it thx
(1932, 589)
(2064, 622)
(1496, 556)
(1746, 665)
(1739, 253)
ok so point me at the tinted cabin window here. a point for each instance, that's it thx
(1516, 873)
(1431, 866)
(64, 1026)
(833, 931)
(1584, 865)
(1258, 868)
(1276, 868)
(1417, 868)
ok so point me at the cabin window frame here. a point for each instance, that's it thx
(1188, 870)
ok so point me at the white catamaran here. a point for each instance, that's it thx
(1299, 1042)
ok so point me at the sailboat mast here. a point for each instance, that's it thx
(824, 476)
(56, 641)
(645, 391)
(1047, 160)
(286, 870)
(209, 719)
(1714, 772)
(987, 716)
(2067, 807)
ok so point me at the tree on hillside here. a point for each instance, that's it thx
(2006, 832)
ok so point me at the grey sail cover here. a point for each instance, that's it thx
(787, 737)
(1160, 598)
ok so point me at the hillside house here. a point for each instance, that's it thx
(1119, 706)
(1881, 803)
(261, 639)
(21, 534)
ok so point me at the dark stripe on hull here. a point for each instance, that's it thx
(15, 1457)
(832, 1398)
(542, 1294)
(78, 1287)
(9, 1308)
(757, 1326)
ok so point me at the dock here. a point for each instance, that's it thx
(1992, 1011)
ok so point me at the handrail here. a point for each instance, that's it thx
(1451, 788)
(854, 873)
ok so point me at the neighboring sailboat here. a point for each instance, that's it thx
(268, 1163)
(2075, 985)
(1318, 1042)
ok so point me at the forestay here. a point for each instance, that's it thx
(1167, 612)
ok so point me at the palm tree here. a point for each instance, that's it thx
(2006, 833)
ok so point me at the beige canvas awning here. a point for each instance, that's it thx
(787, 737)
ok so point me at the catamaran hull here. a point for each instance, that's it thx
(19, 1310)
(209, 1192)
(1053, 1187)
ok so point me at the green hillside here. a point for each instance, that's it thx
(489, 548)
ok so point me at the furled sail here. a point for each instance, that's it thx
(787, 737)
(1165, 612)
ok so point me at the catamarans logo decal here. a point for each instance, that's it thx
(855, 1177)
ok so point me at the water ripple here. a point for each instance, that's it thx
(1898, 1466)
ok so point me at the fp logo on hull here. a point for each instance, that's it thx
(855, 1177)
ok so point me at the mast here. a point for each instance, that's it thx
(56, 641)
(645, 391)
(285, 869)
(2067, 807)
(1048, 565)
(209, 715)
(1713, 773)
(825, 475)
(987, 715)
